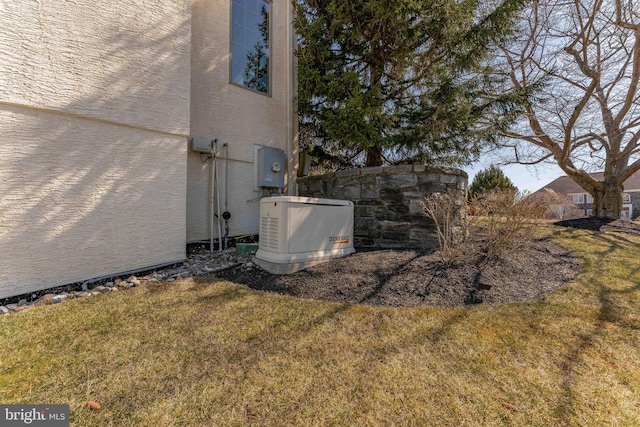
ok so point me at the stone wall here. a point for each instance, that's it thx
(388, 213)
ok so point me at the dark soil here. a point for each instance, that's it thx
(416, 278)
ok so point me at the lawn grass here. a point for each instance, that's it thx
(216, 353)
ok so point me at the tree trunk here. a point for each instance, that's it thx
(376, 68)
(374, 156)
(607, 202)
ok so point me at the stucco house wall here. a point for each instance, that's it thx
(94, 122)
(242, 118)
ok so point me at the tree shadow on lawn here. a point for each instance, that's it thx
(613, 305)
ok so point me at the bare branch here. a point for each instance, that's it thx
(622, 22)
(530, 162)
(635, 77)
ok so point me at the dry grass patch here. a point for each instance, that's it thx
(216, 353)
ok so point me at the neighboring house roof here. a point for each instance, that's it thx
(552, 194)
(552, 197)
(565, 185)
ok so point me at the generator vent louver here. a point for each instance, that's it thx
(269, 232)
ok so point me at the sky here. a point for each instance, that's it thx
(529, 178)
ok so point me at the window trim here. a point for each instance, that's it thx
(268, 93)
(628, 208)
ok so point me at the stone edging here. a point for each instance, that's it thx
(198, 264)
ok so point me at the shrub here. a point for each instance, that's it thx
(509, 214)
(448, 212)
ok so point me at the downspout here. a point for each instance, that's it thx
(292, 150)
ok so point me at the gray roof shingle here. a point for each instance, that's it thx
(565, 185)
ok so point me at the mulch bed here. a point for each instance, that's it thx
(404, 278)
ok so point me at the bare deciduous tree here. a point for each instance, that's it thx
(585, 56)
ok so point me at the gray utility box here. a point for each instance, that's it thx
(271, 167)
(201, 144)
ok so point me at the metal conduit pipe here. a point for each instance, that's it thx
(226, 215)
(218, 200)
(214, 143)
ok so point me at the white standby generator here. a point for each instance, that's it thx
(297, 232)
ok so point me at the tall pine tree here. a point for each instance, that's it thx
(399, 80)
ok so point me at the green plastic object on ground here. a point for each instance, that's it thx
(246, 248)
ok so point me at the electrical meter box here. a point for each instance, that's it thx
(271, 167)
(201, 144)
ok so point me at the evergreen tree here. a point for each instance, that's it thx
(389, 81)
(489, 179)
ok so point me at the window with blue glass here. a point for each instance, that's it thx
(250, 44)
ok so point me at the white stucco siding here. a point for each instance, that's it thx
(243, 202)
(120, 61)
(94, 121)
(235, 115)
(83, 199)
